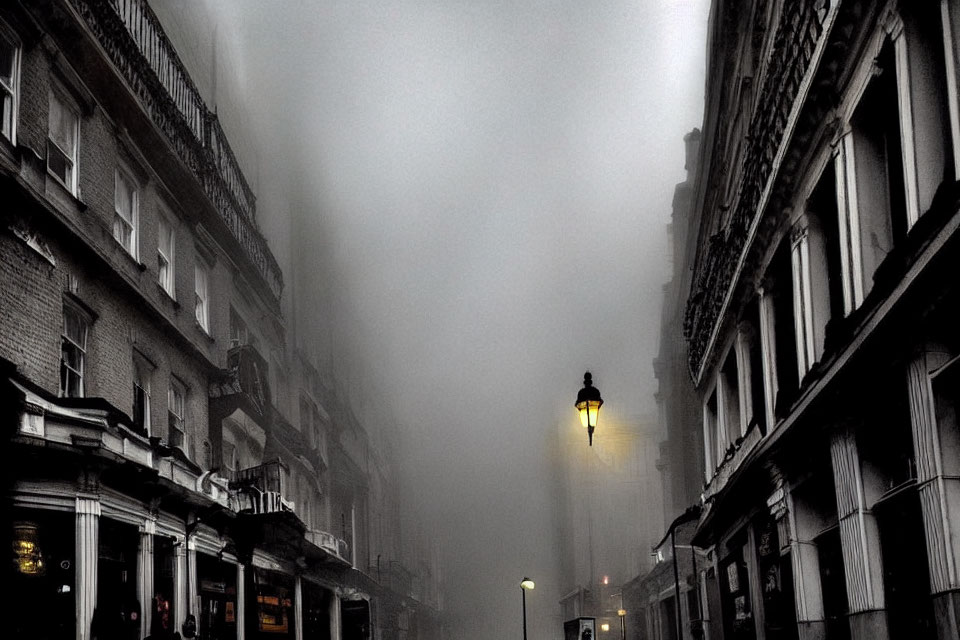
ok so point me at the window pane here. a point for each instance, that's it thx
(59, 164)
(6, 114)
(123, 198)
(7, 57)
(122, 232)
(74, 328)
(63, 126)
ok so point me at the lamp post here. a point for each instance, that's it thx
(525, 585)
(588, 404)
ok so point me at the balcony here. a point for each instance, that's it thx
(262, 487)
(330, 543)
(242, 385)
(133, 39)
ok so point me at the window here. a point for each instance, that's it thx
(63, 132)
(239, 334)
(176, 433)
(125, 215)
(166, 245)
(73, 353)
(142, 372)
(202, 302)
(9, 72)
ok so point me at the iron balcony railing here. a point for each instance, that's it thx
(133, 38)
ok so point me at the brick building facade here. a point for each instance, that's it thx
(175, 463)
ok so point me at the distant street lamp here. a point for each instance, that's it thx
(588, 404)
(525, 585)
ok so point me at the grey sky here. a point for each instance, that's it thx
(494, 179)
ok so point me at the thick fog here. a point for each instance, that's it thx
(490, 183)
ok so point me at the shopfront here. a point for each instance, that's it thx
(40, 578)
(270, 598)
(217, 589)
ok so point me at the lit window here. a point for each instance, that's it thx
(175, 413)
(62, 137)
(142, 372)
(73, 352)
(125, 213)
(9, 72)
(166, 245)
(202, 302)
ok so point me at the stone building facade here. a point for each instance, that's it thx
(822, 320)
(174, 460)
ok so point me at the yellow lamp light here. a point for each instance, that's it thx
(621, 612)
(605, 627)
(588, 405)
(527, 584)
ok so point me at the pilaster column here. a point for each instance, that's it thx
(860, 541)
(938, 478)
(802, 297)
(297, 608)
(87, 553)
(336, 627)
(241, 610)
(192, 588)
(180, 609)
(799, 525)
(768, 346)
(145, 574)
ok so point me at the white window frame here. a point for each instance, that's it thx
(173, 407)
(168, 284)
(82, 348)
(134, 222)
(11, 91)
(201, 290)
(59, 96)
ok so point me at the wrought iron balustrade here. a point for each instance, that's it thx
(134, 40)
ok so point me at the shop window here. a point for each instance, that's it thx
(735, 596)
(73, 352)
(40, 579)
(117, 613)
(316, 611)
(162, 616)
(776, 583)
(906, 578)
(833, 583)
(217, 587)
(272, 605)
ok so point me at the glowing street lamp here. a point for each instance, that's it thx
(525, 585)
(588, 404)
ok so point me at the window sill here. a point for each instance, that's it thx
(166, 295)
(66, 191)
(204, 332)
